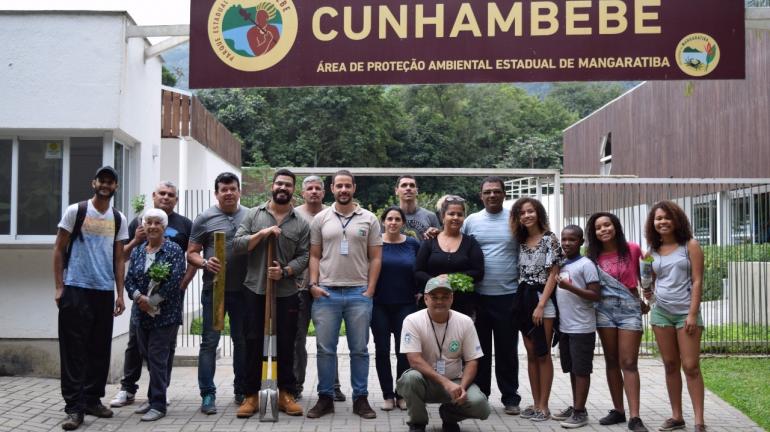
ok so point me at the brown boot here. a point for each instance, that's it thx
(249, 407)
(287, 404)
(362, 408)
(325, 405)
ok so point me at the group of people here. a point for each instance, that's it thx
(447, 288)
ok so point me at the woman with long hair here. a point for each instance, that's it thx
(540, 257)
(618, 314)
(678, 284)
(395, 298)
(451, 252)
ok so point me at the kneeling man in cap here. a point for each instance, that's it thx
(436, 342)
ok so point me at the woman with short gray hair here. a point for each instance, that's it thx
(152, 282)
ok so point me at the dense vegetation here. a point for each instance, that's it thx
(490, 125)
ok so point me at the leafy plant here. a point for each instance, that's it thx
(461, 283)
(159, 272)
(138, 203)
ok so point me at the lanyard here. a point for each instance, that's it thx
(347, 221)
(443, 338)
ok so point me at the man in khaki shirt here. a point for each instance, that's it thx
(345, 260)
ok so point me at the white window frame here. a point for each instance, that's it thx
(108, 149)
(605, 161)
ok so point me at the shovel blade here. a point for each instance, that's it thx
(268, 405)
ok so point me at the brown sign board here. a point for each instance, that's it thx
(285, 43)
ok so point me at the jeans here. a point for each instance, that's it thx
(300, 350)
(285, 325)
(495, 318)
(132, 363)
(207, 361)
(387, 319)
(85, 341)
(155, 346)
(350, 304)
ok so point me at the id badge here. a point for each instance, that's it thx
(344, 246)
(441, 367)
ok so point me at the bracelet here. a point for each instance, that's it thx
(205, 265)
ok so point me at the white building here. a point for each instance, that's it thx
(77, 93)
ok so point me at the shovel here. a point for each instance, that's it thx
(268, 396)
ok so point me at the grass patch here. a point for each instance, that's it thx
(311, 329)
(741, 382)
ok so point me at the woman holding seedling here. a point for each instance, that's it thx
(152, 282)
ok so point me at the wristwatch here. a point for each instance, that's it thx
(284, 273)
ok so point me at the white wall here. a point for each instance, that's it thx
(203, 166)
(61, 71)
(27, 309)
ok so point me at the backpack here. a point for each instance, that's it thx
(77, 230)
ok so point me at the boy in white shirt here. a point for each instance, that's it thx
(578, 289)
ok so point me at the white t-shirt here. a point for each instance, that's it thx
(90, 264)
(461, 342)
(576, 314)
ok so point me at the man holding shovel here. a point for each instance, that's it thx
(272, 222)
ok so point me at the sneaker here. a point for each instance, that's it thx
(528, 412)
(98, 410)
(339, 396)
(635, 424)
(363, 409)
(447, 425)
(123, 398)
(388, 405)
(541, 416)
(209, 404)
(401, 404)
(74, 420)
(153, 415)
(576, 420)
(325, 405)
(512, 410)
(563, 415)
(143, 408)
(238, 398)
(613, 417)
(671, 424)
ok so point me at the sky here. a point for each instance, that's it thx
(144, 12)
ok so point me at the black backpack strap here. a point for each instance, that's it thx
(118, 223)
(76, 230)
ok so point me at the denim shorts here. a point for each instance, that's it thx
(621, 313)
(662, 318)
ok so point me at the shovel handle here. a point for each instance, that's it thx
(268, 289)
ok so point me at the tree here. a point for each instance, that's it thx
(167, 77)
(584, 98)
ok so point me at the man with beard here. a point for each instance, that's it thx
(313, 194)
(164, 197)
(345, 261)
(274, 221)
(88, 266)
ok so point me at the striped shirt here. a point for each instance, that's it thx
(501, 251)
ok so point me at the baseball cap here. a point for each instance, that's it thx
(107, 170)
(441, 281)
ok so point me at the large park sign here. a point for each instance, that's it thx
(267, 43)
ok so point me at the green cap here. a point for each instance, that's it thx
(441, 281)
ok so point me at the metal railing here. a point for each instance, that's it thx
(729, 217)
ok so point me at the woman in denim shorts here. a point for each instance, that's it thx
(540, 257)
(618, 314)
(678, 270)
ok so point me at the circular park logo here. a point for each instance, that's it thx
(697, 54)
(252, 35)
